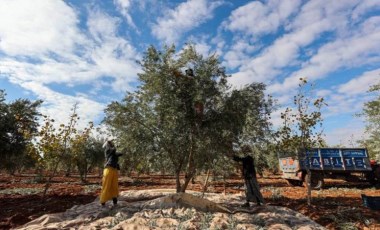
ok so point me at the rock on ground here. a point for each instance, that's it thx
(164, 209)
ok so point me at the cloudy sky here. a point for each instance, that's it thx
(85, 51)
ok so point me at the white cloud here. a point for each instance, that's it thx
(257, 18)
(57, 105)
(37, 27)
(241, 79)
(339, 104)
(102, 54)
(276, 117)
(363, 7)
(361, 48)
(183, 18)
(349, 97)
(203, 48)
(113, 56)
(323, 93)
(360, 84)
(41, 43)
(238, 54)
(347, 135)
(124, 7)
(314, 18)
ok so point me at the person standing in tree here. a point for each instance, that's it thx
(110, 186)
(252, 189)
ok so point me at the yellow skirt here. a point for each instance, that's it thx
(110, 186)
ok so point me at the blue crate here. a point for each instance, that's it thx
(372, 202)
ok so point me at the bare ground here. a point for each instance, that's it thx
(339, 206)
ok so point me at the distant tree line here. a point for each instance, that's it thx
(32, 141)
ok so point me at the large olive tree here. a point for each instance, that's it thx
(184, 113)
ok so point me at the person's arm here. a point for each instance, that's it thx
(106, 153)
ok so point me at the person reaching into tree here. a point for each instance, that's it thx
(110, 185)
(252, 189)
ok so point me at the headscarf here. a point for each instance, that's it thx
(108, 142)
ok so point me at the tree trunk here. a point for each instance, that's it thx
(224, 184)
(177, 181)
(308, 182)
(205, 184)
(189, 175)
(190, 172)
(48, 183)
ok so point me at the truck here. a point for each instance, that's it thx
(350, 164)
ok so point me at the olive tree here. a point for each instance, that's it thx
(18, 126)
(184, 112)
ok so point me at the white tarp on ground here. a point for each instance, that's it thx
(164, 209)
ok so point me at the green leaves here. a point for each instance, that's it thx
(184, 113)
(300, 123)
(371, 112)
(18, 126)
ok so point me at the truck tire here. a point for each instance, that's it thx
(295, 183)
(376, 172)
(316, 181)
(373, 177)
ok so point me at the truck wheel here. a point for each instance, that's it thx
(376, 172)
(294, 182)
(371, 178)
(316, 181)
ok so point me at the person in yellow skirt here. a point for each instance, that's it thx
(110, 185)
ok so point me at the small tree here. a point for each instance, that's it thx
(94, 153)
(371, 112)
(81, 151)
(299, 131)
(54, 144)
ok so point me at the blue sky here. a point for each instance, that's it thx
(85, 52)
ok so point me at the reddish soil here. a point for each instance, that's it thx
(339, 204)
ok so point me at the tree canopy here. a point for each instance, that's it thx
(300, 124)
(18, 126)
(185, 113)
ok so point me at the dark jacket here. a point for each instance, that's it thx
(112, 158)
(248, 166)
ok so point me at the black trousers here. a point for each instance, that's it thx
(252, 191)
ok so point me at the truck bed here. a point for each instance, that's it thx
(335, 159)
